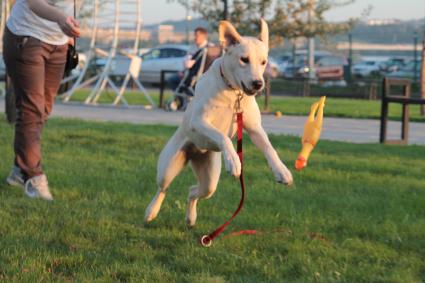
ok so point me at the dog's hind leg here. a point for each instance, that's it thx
(171, 161)
(207, 168)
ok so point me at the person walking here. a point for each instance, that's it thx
(35, 45)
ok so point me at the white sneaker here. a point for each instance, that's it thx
(38, 187)
(16, 178)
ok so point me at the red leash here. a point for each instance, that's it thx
(206, 240)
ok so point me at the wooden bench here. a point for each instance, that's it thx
(405, 99)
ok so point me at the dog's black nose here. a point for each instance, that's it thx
(257, 84)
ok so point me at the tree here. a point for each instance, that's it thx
(286, 18)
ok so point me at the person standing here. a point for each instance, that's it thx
(35, 45)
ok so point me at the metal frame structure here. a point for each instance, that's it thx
(80, 79)
(121, 14)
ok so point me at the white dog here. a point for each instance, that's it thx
(209, 122)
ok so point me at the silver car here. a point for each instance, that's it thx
(164, 57)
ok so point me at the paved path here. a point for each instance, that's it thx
(338, 129)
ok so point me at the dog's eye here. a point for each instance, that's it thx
(263, 62)
(245, 60)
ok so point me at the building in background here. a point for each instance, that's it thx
(166, 34)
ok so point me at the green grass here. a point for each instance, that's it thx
(335, 107)
(340, 107)
(132, 97)
(356, 214)
(358, 88)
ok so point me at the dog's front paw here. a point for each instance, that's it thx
(232, 163)
(283, 175)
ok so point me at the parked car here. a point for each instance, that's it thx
(272, 68)
(283, 61)
(289, 70)
(407, 71)
(165, 57)
(327, 67)
(119, 65)
(285, 57)
(367, 68)
(330, 68)
(294, 68)
(393, 64)
(300, 69)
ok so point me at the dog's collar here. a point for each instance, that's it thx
(226, 81)
(240, 93)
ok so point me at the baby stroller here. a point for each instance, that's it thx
(185, 90)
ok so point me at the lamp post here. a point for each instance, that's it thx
(187, 22)
(350, 55)
(188, 19)
(311, 42)
(415, 57)
(422, 81)
(225, 10)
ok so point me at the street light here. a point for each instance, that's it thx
(415, 57)
(350, 55)
(311, 73)
(225, 10)
(188, 20)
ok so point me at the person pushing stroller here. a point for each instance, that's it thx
(195, 65)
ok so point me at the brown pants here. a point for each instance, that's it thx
(36, 69)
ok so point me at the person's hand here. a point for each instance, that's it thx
(69, 26)
(189, 64)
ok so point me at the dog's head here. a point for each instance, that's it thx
(245, 58)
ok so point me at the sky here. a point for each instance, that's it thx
(156, 11)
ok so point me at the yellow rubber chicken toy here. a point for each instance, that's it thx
(312, 129)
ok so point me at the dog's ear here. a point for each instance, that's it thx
(227, 34)
(264, 34)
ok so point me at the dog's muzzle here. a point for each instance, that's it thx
(256, 86)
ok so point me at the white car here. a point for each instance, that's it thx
(165, 57)
(366, 68)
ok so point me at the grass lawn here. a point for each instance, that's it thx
(335, 107)
(340, 107)
(132, 97)
(356, 214)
